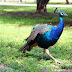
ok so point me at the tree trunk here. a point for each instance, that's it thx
(67, 2)
(41, 5)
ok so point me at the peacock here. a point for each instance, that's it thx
(44, 36)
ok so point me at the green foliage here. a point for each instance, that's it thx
(15, 28)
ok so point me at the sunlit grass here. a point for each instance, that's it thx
(17, 9)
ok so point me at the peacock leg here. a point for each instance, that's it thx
(47, 51)
(43, 54)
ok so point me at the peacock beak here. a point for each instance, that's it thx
(65, 14)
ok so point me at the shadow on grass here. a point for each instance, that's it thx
(38, 56)
(26, 18)
(30, 18)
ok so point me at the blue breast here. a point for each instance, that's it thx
(48, 39)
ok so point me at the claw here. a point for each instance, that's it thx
(56, 61)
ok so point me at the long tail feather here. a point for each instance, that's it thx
(21, 49)
(24, 48)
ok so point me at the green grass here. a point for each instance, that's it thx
(14, 28)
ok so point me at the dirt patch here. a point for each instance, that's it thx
(65, 23)
(64, 70)
(3, 67)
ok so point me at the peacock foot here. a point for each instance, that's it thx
(56, 61)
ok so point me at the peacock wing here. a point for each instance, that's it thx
(38, 29)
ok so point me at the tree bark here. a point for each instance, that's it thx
(67, 2)
(41, 6)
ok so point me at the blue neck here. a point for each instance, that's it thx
(60, 26)
(61, 23)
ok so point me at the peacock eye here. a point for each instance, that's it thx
(61, 13)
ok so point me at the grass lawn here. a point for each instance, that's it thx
(15, 25)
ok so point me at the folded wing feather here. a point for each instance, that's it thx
(41, 29)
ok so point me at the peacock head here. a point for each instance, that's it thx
(61, 13)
